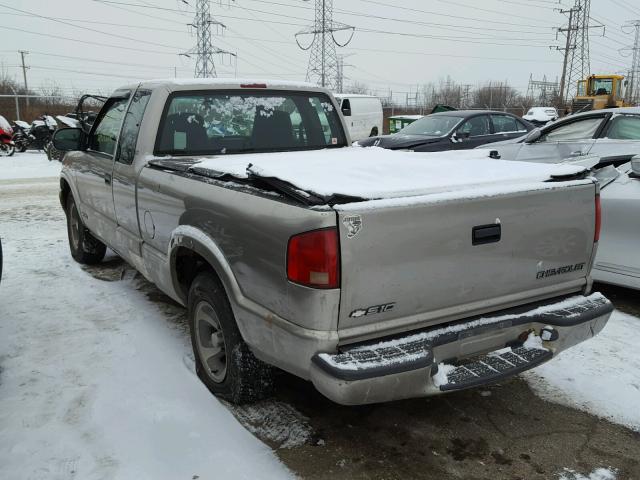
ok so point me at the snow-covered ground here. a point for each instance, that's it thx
(95, 383)
(30, 164)
(601, 376)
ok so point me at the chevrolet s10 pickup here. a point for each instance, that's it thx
(377, 275)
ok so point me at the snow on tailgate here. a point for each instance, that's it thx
(376, 173)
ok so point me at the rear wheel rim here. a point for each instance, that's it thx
(211, 348)
(74, 226)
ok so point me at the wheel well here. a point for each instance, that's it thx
(188, 265)
(374, 132)
(65, 191)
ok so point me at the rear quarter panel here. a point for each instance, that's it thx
(251, 229)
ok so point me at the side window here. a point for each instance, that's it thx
(504, 124)
(131, 126)
(476, 126)
(328, 125)
(105, 133)
(579, 130)
(625, 127)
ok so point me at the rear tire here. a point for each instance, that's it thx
(224, 362)
(374, 132)
(7, 150)
(85, 248)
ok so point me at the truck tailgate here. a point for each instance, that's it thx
(427, 260)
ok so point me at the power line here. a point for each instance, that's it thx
(84, 41)
(93, 30)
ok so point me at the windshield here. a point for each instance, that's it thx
(4, 125)
(432, 125)
(601, 86)
(220, 122)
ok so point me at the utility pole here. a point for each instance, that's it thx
(634, 73)
(323, 60)
(24, 74)
(204, 49)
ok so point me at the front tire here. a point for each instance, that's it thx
(85, 248)
(224, 362)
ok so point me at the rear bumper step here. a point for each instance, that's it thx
(403, 367)
(492, 368)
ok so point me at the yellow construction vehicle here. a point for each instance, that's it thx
(599, 91)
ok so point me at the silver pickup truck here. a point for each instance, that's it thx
(376, 275)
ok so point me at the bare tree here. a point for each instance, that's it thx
(358, 88)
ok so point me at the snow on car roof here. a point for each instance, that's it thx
(376, 173)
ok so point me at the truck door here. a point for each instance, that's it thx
(125, 172)
(94, 180)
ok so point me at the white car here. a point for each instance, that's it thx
(541, 115)
(363, 115)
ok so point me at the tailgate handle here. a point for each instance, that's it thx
(486, 234)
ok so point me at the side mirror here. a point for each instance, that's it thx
(635, 167)
(68, 139)
(533, 136)
(346, 112)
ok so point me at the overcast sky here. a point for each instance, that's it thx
(419, 41)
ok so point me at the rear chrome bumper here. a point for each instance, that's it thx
(407, 366)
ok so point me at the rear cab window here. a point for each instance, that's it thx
(227, 122)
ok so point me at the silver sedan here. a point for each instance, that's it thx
(618, 259)
(613, 134)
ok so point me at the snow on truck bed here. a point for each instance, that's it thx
(376, 173)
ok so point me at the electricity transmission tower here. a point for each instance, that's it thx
(634, 73)
(204, 49)
(576, 65)
(340, 77)
(323, 60)
(542, 92)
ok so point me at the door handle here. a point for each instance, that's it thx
(107, 178)
(577, 153)
(483, 234)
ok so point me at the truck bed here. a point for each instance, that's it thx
(432, 238)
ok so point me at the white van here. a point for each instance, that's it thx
(363, 114)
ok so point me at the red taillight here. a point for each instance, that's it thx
(313, 259)
(596, 236)
(253, 85)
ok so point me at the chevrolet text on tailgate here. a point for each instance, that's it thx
(377, 275)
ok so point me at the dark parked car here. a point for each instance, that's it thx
(455, 130)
